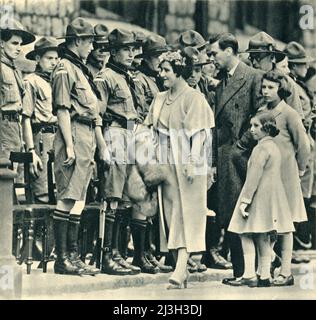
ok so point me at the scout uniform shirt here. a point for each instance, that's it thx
(11, 92)
(149, 89)
(116, 96)
(37, 105)
(37, 102)
(71, 90)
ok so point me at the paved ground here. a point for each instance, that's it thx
(146, 287)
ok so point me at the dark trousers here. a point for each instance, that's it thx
(237, 258)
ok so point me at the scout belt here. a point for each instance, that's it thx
(84, 120)
(111, 119)
(12, 116)
(44, 127)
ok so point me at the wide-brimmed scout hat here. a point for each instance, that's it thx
(101, 37)
(15, 27)
(153, 45)
(140, 37)
(194, 55)
(41, 46)
(119, 38)
(296, 53)
(79, 27)
(264, 43)
(191, 38)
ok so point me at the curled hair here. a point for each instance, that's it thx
(268, 123)
(278, 77)
(179, 62)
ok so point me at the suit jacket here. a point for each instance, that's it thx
(235, 103)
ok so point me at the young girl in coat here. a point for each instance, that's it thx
(262, 206)
(294, 146)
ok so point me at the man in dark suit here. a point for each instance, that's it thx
(236, 101)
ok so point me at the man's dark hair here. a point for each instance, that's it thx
(213, 38)
(228, 40)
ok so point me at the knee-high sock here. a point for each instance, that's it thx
(264, 250)
(287, 250)
(248, 247)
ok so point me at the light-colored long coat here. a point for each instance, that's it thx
(190, 112)
(294, 145)
(264, 192)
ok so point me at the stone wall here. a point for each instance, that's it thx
(44, 17)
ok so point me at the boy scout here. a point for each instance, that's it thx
(39, 124)
(75, 99)
(121, 97)
(98, 56)
(13, 36)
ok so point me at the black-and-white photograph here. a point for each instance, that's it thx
(158, 150)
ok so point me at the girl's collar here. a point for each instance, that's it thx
(266, 138)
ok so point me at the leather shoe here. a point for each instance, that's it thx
(282, 281)
(250, 282)
(265, 283)
(227, 280)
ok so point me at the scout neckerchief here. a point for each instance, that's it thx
(144, 68)
(121, 69)
(94, 62)
(65, 53)
(44, 75)
(18, 77)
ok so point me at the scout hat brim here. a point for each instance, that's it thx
(26, 36)
(122, 45)
(151, 53)
(83, 35)
(301, 60)
(278, 54)
(201, 64)
(32, 54)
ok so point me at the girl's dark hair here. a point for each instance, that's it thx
(276, 76)
(268, 123)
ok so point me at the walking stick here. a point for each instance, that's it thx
(99, 257)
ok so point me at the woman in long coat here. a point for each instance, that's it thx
(182, 119)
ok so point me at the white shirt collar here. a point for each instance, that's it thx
(232, 71)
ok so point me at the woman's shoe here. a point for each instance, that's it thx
(282, 281)
(178, 284)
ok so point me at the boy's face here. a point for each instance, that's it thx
(12, 47)
(48, 60)
(195, 78)
(124, 55)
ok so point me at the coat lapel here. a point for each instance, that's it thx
(235, 83)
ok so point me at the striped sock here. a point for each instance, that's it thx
(61, 215)
(74, 218)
